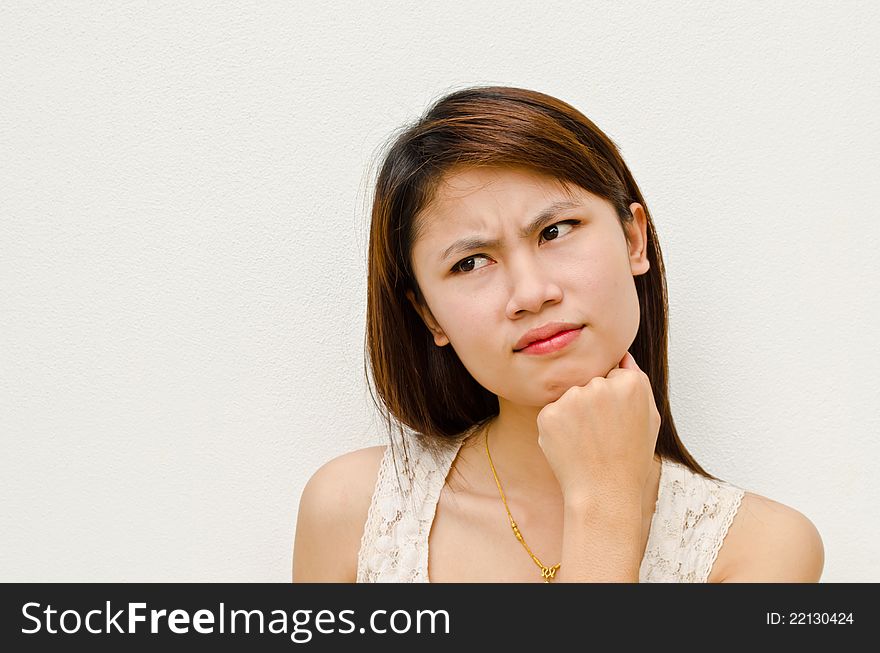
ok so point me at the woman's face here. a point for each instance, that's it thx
(576, 267)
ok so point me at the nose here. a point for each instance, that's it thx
(531, 287)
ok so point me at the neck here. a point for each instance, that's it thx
(518, 459)
(520, 462)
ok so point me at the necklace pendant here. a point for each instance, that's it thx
(549, 573)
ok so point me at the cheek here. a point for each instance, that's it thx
(606, 292)
(595, 281)
(459, 316)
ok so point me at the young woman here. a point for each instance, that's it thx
(517, 339)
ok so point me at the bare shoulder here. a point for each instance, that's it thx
(769, 542)
(332, 513)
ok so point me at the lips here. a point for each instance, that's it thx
(544, 332)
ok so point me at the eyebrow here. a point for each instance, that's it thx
(478, 242)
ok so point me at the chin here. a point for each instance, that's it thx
(550, 394)
(580, 373)
(550, 388)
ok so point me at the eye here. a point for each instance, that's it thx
(459, 267)
(554, 228)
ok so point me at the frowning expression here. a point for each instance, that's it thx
(501, 251)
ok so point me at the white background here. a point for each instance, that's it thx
(183, 220)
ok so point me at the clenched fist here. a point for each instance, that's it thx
(599, 438)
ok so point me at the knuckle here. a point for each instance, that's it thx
(546, 415)
(596, 382)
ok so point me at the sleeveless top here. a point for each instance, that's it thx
(691, 518)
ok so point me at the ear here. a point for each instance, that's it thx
(637, 231)
(424, 312)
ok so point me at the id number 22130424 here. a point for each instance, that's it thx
(809, 618)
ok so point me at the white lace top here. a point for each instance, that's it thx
(691, 518)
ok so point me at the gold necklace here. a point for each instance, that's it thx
(547, 573)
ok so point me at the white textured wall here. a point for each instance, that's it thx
(182, 252)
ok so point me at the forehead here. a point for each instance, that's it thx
(466, 198)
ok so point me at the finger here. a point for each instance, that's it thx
(628, 362)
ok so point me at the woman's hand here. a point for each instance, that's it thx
(599, 438)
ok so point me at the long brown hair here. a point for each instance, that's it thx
(424, 388)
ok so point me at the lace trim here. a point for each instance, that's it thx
(372, 525)
(651, 546)
(735, 499)
(691, 519)
(696, 515)
(394, 545)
